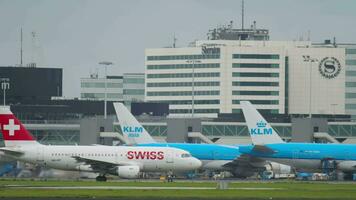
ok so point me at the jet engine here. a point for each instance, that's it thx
(128, 172)
(277, 168)
(84, 168)
(347, 166)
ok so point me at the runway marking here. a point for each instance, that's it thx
(131, 188)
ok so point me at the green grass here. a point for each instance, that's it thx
(288, 190)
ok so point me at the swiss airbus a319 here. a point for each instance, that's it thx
(124, 161)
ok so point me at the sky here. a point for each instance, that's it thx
(78, 34)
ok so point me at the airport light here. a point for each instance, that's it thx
(308, 58)
(5, 85)
(334, 105)
(105, 64)
(193, 62)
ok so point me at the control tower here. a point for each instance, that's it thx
(230, 33)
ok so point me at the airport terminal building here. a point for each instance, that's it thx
(130, 87)
(279, 77)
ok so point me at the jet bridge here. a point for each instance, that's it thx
(325, 136)
(199, 135)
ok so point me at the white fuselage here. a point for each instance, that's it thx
(149, 159)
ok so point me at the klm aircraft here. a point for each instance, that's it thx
(213, 156)
(268, 145)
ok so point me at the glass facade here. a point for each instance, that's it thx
(255, 56)
(351, 62)
(350, 51)
(189, 102)
(350, 73)
(254, 74)
(184, 75)
(100, 85)
(284, 130)
(350, 95)
(183, 93)
(134, 80)
(267, 111)
(286, 85)
(195, 111)
(259, 84)
(257, 93)
(254, 65)
(261, 102)
(101, 95)
(184, 66)
(130, 86)
(350, 106)
(182, 84)
(184, 57)
(57, 137)
(350, 84)
(134, 91)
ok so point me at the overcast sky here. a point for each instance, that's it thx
(77, 34)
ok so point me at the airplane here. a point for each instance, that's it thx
(213, 156)
(313, 157)
(123, 161)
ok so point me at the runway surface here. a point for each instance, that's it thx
(131, 188)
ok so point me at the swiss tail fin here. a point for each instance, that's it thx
(133, 131)
(260, 130)
(13, 132)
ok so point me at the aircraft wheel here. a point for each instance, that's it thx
(101, 178)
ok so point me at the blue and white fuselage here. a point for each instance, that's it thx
(268, 145)
(213, 156)
(306, 156)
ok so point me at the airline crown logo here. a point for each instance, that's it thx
(261, 124)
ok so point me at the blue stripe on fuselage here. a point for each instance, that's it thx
(305, 151)
(204, 151)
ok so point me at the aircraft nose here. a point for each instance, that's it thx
(196, 163)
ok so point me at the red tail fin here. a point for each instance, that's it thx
(11, 127)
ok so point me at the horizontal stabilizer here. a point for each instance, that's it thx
(11, 152)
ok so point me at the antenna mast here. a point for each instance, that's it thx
(174, 40)
(242, 14)
(21, 51)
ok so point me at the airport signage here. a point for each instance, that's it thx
(329, 67)
(207, 50)
(5, 85)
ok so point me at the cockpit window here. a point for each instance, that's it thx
(186, 155)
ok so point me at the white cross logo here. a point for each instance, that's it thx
(11, 127)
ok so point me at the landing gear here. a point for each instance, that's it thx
(169, 176)
(101, 178)
(328, 167)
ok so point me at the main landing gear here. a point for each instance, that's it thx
(101, 178)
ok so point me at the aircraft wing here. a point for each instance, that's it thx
(11, 152)
(99, 165)
(245, 160)
(263, 149)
